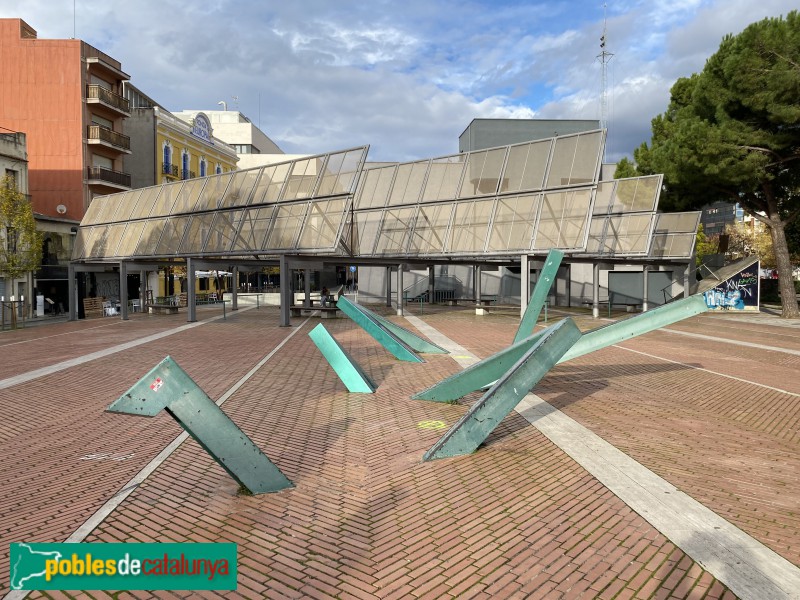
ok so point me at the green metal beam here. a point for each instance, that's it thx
(416, 342)
(168, 387)
(475, 426)
(614, 333)
(354, 379)
(394, 345)
(540, 291)
(480, 374)
(490, 369)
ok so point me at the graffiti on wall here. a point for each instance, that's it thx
(739, 292)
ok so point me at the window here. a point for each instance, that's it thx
(185, 164)
(167, 156)
(202, 166)
(219, 169)
(12, 178)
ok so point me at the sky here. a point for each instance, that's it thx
(406, 77)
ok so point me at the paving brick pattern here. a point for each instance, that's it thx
(367, 519)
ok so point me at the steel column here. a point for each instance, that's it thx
(191, 295)
(399, 290)
(596, 291)
(235, 290)
(388, 286)
(123, 290)
(72, 292)
(170, 388)
(644, 288)
(431, 284)
(285, 291)
(474, 427)
(307, 287)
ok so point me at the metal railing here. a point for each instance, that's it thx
(109, 175)
(187, 174)
(97, 92)
(104, 134)
(171, 170)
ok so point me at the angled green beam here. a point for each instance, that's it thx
(354, 379)
(475, 426)
(490, 369)
(614, 333)
(480, 374)
(394, 345)
(168, 387)
(411, 339)
(540, 291)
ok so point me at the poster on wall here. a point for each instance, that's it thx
(738, 293)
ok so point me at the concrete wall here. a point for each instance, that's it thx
(142, 162)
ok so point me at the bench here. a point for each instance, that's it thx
(487, 299)
(326, 312)
(162, 309)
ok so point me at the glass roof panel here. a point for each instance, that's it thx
(149, 238)
(483, 172)
(576, 159)
(83, 241)
(471, 226)
(288, 220)
(526, 166)
(395, 231)
(96, 247)
(228, 189)
(128, 205)
(130, 239)
(113, 236)
(564, 220)
(188, 195)
(145, 204)
(222, 232)
(596, 242)
(197, 233)
(430, 229)
(561, 163)
(672, 245)
(444, 178)
(683, 222)
(374, 187)
(272, 180)
(340, 172)
(173, 230)
(513, 223)
(252, 226)
(365, 231)
(163, 204)
(408, 183)
(603, 196)
(94, 213)
(302, 178)
(323, 225)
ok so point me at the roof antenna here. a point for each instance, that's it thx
(604, 57)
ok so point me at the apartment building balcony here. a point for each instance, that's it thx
(103, 136)
(187, 174)
(171, 171)
(101, 97)
(99, 61)
(108, 181)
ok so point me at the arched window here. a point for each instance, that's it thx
(219, 169)
(167, 166)
(185, 165)
(202, 166)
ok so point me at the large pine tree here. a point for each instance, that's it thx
(732, 132)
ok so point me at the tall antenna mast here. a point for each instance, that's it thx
(604, 57)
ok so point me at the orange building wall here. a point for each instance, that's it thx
(41, 94)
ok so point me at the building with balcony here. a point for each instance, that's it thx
(253, 146)
(166, 148)
(66, 96)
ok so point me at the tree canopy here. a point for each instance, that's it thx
(20, 243)
(732, 132)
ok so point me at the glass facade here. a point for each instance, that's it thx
(522, 198)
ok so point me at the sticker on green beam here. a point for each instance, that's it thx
(348, 370)
(540, 291)
(391, 343)
(168, 387)
(475, 426)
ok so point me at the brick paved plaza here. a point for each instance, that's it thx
(711, 405)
